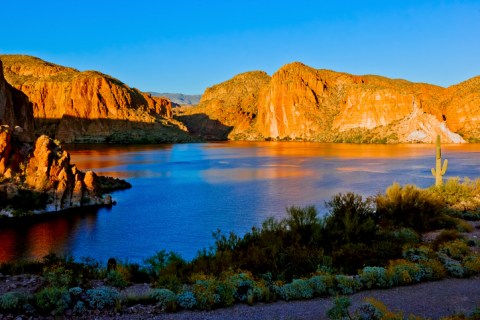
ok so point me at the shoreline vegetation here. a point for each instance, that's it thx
(404, 236)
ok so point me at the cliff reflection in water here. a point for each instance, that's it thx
(43, 235)
(182, 193)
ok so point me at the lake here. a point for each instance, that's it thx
(183, 192)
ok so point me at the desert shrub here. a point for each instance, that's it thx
(13, 302)
(373, 277)
(350, 219)
(186, 300)
(118, 278)
(463, 226)
(102, 297)
(457, 249)
(410, 207)
(75, 291)
(169, 281)
(303, 222)
(403, 272)
(373, 309)
(432, 270)
(58, 276)
(472, 264)
(340, 309)
(417, 254)
(346, 284)
(244, 284)
(351, 257)
(52, 300)
(322, 284)
(205, 294)
(445, 236)
(460, 195)
(296, 290)
(165, 299)
(453, 267)
(161, 261)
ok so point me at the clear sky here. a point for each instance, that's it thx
(186, 46)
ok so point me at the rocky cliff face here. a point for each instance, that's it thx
(461, 107)
(303, 103)
(15, 110)
(322, 105)
(227, 110)
(89, 106)
(40, 177)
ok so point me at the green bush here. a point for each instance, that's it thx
(186, 300)
(52, 300)
(472, 264)
(117, 279)
(13, 302)
(410, 207)
(453, 267)
(418, 254)
(457, 249)
(373, 277)
(58, 276)
(102, 297)
(350, 219)
(402, 272)
(165, 299)
(206, 295)
(322, 284)
(296, 290)
(347, 285)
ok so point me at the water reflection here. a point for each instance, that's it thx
(43, 235)
(181, 193)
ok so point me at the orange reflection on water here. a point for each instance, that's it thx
(9, 242)
(251, 174)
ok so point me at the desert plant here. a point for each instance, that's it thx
(52, 300)
(373, 277)
(165, 299)
(440, 169)
(410, 207)
(13, 302)
(296, 290)
(102, 297)
(186, 300)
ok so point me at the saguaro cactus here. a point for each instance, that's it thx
(439, 170)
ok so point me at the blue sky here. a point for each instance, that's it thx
(186, 46)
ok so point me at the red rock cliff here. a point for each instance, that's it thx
(89, 106)
(15, 110)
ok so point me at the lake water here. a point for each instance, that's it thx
(182, 193)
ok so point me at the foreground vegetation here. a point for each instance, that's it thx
(360, 244)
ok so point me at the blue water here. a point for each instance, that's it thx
(182, 193)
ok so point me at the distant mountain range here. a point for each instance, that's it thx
(180, 98)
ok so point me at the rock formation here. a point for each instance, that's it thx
(227, 110)
(45, 171)
(303, 103)
(40, 177)
(15, 110)
(89, 106)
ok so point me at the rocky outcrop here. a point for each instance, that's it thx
(227, 110)
(89, 106)
(322, 105)
(461, 108)
(303, 103)
(40, 177)
(15, 110)
(46, 172)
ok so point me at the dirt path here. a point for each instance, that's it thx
(432, 299)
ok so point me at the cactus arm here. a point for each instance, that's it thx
(433, 172)
(444, 168)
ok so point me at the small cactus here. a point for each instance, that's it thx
(439, 170)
